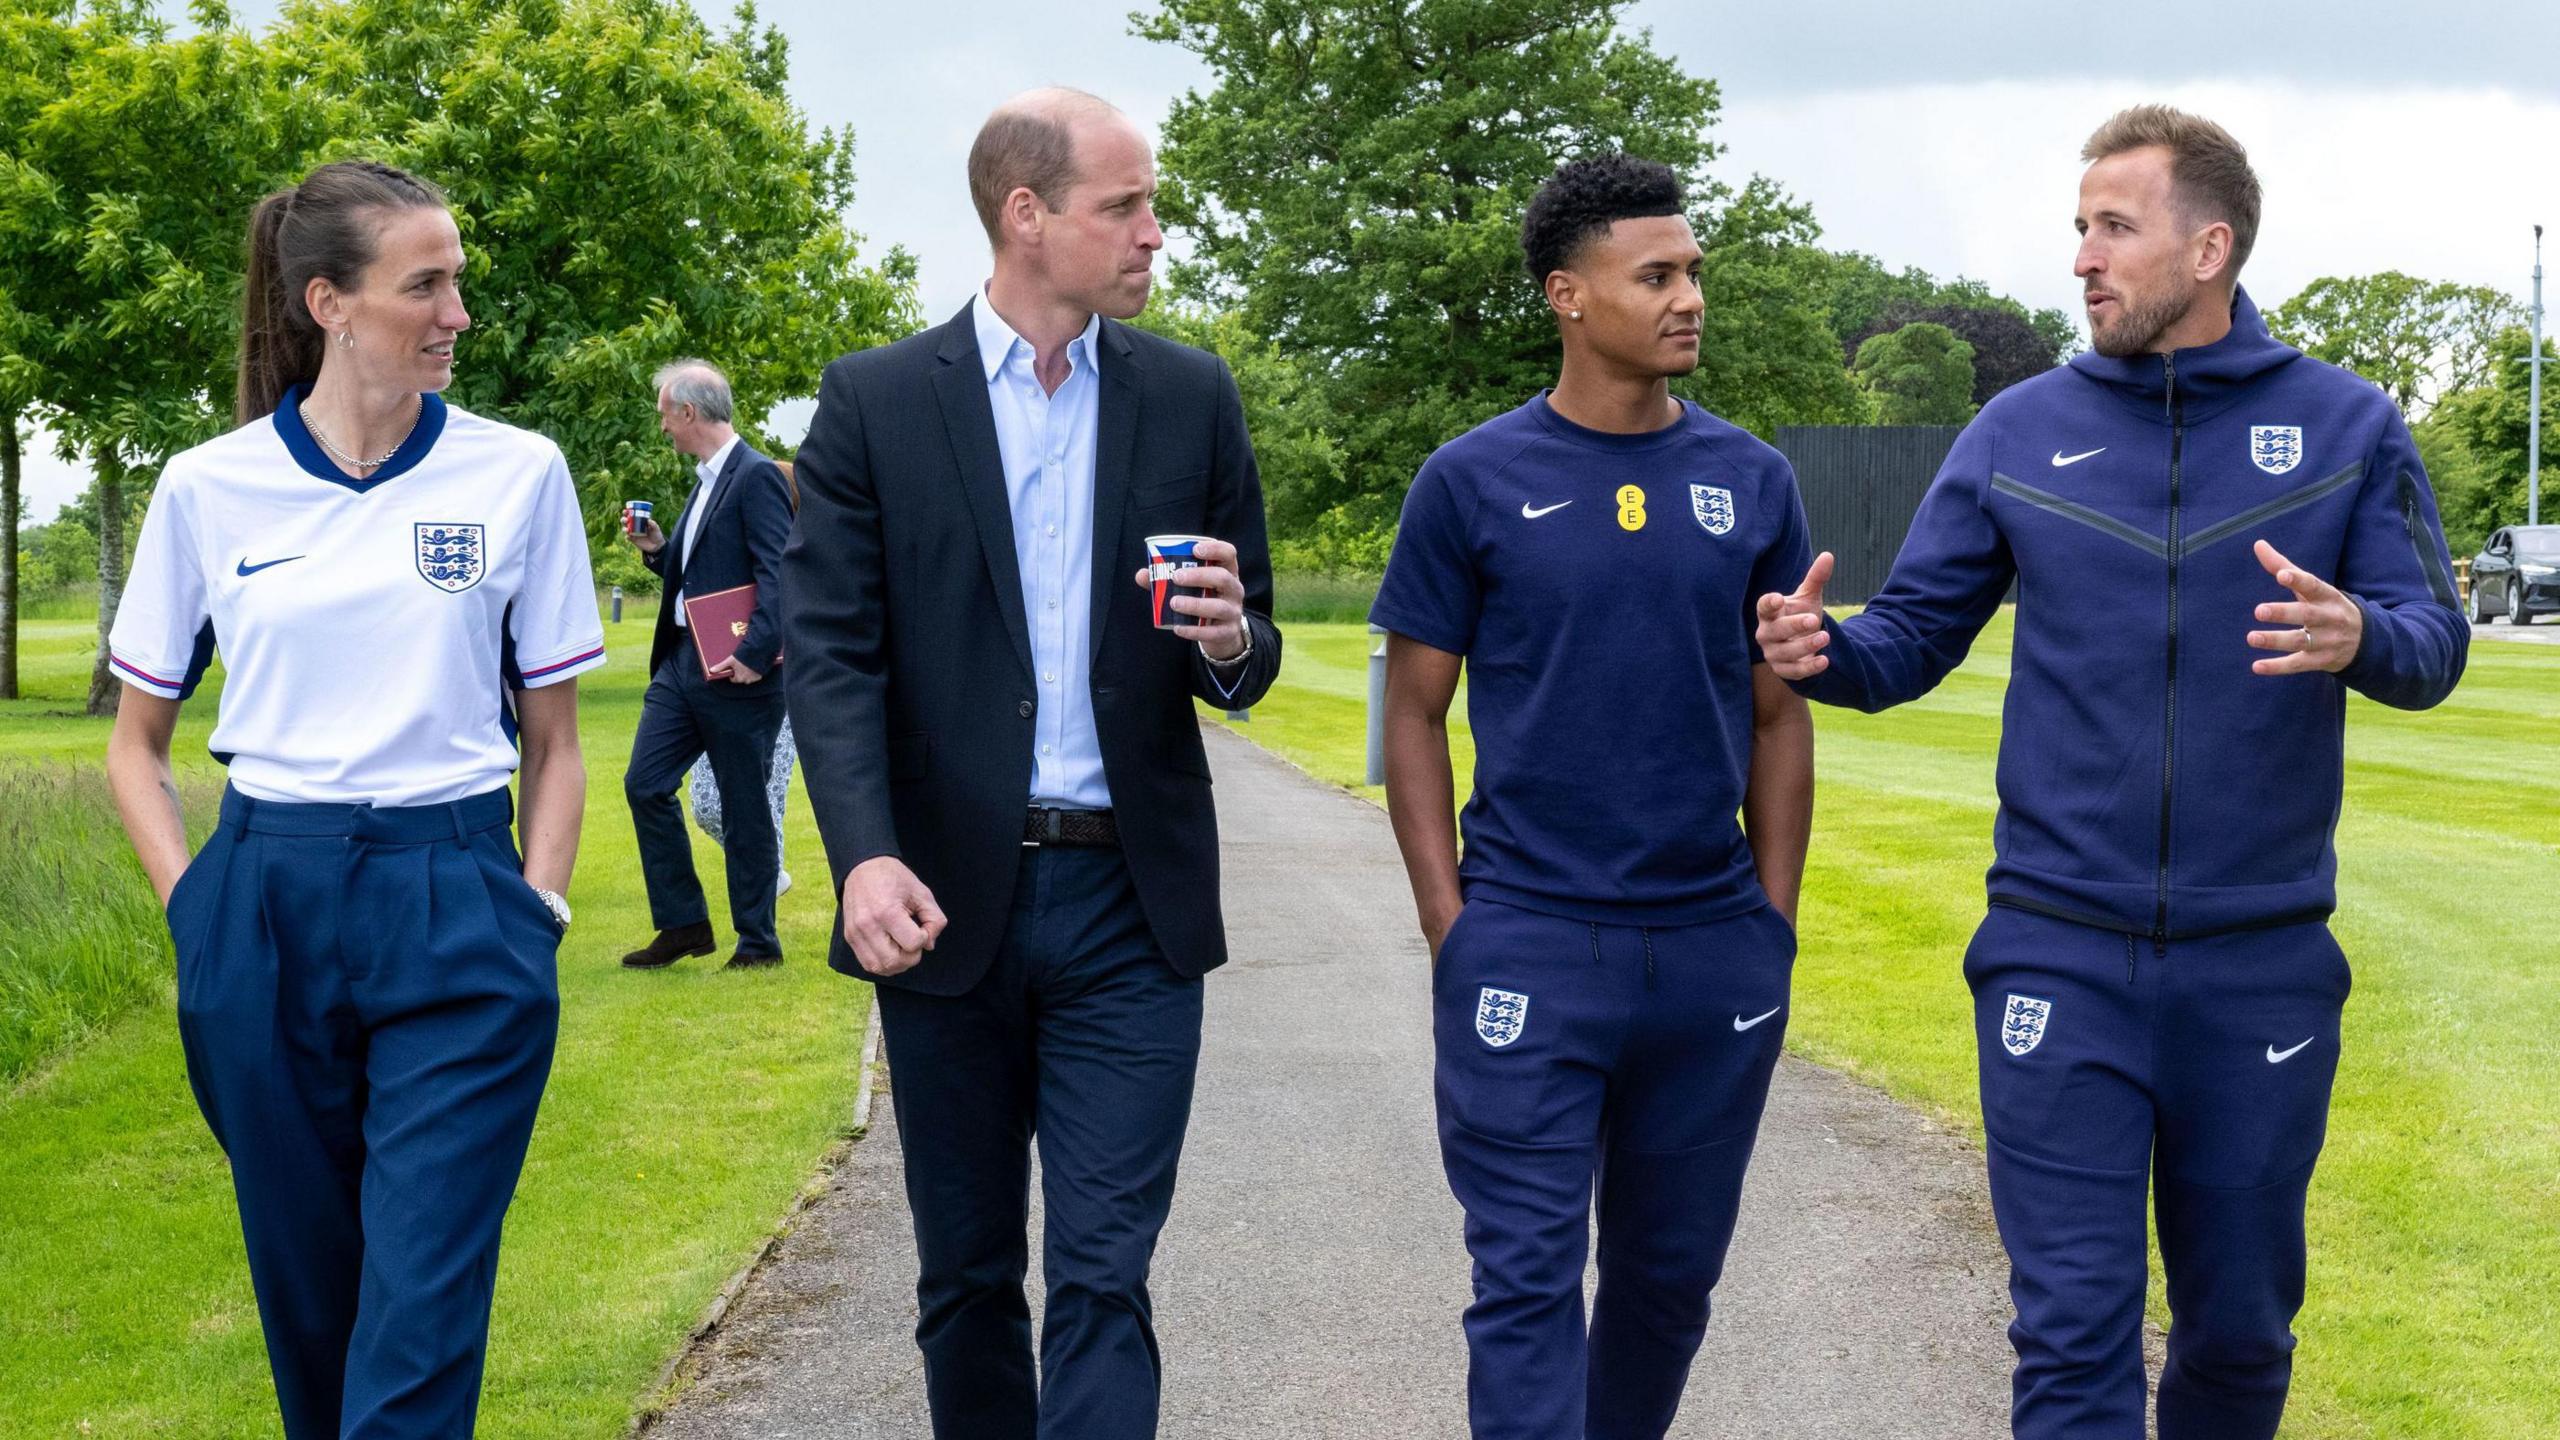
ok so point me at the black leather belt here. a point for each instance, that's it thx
(1090, 829)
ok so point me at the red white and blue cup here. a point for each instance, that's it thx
(635, 517)
(1167, 557)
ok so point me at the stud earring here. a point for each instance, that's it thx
(1576, 314)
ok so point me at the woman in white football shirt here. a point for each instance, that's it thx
(366, 982)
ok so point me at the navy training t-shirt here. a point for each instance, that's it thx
(1601, 589)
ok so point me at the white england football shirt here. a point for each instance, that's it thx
(371, 630)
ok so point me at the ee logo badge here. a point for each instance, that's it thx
(1630, 508)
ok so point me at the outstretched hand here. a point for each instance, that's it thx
(1790, 634)
(2330, 622)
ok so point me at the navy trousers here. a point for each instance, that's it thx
(684, 717)
(368, 1000)
(2196, 1075)
(1083, 1038)
(1574, 1058)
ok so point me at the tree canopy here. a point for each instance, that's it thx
(1921, 374)
(2419, 340)
(630, 187)
(1353, 184)
(2007, 346)
(2482, 437)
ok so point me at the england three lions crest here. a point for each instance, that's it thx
(1500, 1016)
(1713, 505)
(2022, 1023)
(452, 557)
(2276, 448)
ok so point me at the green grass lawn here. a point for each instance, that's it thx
(2434, 1310)
(686, 1109)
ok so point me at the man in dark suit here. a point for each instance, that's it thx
(730, 534)
(1006, 765)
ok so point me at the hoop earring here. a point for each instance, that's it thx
(346, 339)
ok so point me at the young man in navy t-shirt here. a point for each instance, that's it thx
(1610, 959)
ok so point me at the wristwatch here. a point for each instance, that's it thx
(1238, 658)
(557, 904)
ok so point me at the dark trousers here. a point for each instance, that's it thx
(2198, 1078)
(368, 1001)
(1083, 1037)
(1569, 1058)
(684, 717)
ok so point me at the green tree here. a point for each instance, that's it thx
(2007, 346)
(11, 508)
(1921, 374)
(59, 556)
(1284, 409)
(2461, 481)
(36, 45)
(2419, 340)
(2484, 433)
(631, 187)
(1862, 299)
(1353, 184)
(121, 213)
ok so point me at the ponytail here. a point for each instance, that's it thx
(320, 229)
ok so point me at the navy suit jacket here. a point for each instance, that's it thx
(740, 544)
(911, 688)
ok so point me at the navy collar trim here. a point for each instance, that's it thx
(307, 453)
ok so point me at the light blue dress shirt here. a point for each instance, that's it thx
(708, 472)
(1047, 443)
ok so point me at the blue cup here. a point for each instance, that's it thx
(635, 517)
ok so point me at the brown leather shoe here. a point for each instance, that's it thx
(671, 946)
(744, 961)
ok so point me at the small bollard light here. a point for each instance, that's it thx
(617, 604)
(1377, 774)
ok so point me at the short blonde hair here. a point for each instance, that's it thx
(2208, 170)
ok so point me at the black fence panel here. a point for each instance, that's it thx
(1862, 484)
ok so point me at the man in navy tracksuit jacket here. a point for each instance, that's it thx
(2155, 986)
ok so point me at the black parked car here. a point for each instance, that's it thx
(2517, 574)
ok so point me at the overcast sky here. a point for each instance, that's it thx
(1940, 136)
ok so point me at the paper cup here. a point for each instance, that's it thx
(1167, 557)
(635, 516)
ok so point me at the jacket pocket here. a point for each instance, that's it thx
(1191, 489)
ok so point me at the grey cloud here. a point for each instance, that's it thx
(1762, 48)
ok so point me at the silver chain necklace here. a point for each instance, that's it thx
(341, 456)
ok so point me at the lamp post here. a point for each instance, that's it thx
(2533, 399)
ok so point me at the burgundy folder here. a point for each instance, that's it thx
(719, 622)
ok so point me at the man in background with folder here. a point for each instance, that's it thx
(713, 690)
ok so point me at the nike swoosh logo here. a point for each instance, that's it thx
(2060, 459)
(1741, 1024)
(248, 569)
(2278, 1057)
(1528, 514)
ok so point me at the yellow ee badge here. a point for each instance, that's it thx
(1630, 508)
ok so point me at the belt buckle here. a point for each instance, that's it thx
(1052, 823)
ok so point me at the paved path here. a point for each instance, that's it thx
(1310, 1281)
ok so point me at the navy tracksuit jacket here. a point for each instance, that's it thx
(2164, 856)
